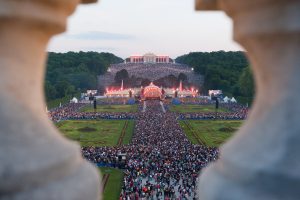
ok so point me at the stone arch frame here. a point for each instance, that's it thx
(36, 161)
(253, 165)
(261, 161)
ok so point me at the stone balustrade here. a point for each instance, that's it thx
(36, 162)
(261, 161)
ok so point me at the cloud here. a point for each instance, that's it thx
(98, 35)
(98, 49)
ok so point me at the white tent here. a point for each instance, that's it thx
(226, 99)
(74, 100)
(233, 100)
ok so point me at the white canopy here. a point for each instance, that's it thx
(74, 100)
(233, 100)
(226, 99)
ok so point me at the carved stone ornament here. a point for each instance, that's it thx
(262, 160)
(36, 162)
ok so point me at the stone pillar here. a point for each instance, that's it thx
(36, 162)
(262, 160)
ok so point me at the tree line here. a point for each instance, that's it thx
(227, 71)
(72, 72)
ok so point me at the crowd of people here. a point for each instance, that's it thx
(235, 112)
(240, 115)
(72, 111)
(153, 71)
(160, 161)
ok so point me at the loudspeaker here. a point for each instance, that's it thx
(176, 94)
(130, 94)
(91, 98)
(119, 158)
(95, 104)
(217, 103)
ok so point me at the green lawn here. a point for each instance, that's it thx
(114, 185)
(211, 133)
(111, 108)
(56, 102)
(196, 108)
(129, 132)
(96, 132)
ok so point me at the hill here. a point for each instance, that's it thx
(70, 73)
(222, 70)
(141, 74)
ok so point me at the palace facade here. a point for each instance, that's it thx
(149, 58)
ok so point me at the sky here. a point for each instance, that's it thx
(136, 27)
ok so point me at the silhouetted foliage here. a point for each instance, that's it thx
(68, 73)
(246, 83)
(145, 82)
(121, 75)
(182, 77)
(222, 70)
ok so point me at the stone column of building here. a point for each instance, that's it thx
(262, 160)
(36, 162)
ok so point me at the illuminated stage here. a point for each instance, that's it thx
(151, 92)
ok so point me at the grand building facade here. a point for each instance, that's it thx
(149, 58)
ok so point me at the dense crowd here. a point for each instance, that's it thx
(155, 71)
(65, 111)
(72, 111)
(160, 161)
(240, 115)
(236, 112)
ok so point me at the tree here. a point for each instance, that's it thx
(50, 91)
(246, 83)
(70, 72)
(70, 90)
(121, 75)
(145, 82)
(221, 70)
(61, 88)
(182, 77)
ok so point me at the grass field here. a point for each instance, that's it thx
(113, 187)
(96, 133)
(111, 108)
(196, 108)
(55, 103)
(129, 132)
(211, 133)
